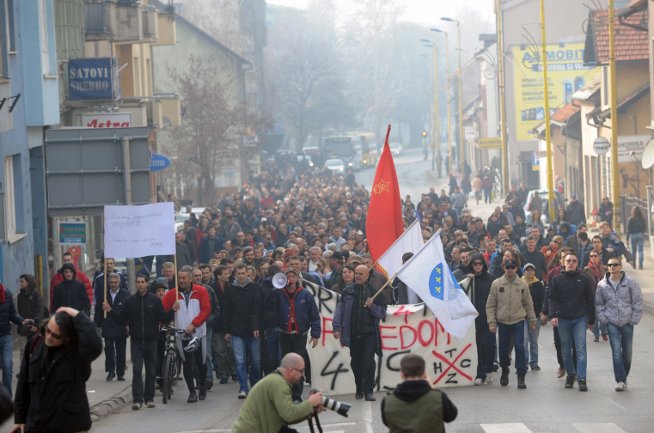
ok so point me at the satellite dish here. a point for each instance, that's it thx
(647, 160)
(279, 280)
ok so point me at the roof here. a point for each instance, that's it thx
(164, 8)
(563, 114)
(591, 87)
(631, 42)
(626, 103)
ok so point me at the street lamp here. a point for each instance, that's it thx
(447, 98)
(436, 129)
(460, 89)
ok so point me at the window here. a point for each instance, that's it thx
(4, 18)
(12, 199)
(43, 33)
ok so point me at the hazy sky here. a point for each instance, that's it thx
(427, 12)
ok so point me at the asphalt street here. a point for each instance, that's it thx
(545, 407)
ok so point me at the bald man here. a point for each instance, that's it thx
(361, 332)
(269, 405)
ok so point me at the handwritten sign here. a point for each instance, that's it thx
(138, 231)
(406, 329)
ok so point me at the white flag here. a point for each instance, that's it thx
(428, 274)
(409, 242)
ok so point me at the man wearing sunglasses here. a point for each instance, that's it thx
(619, 304)
(572, 309)
(508, 304)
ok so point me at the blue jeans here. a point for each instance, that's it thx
(531, 344)
(621, 339)
(517, 331)
(6, 355)
(574, 331)
(637, 240)
(247, 349)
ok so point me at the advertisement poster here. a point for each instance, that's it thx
(566, 75)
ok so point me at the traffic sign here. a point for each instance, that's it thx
(489, 143)
(159, 162)
(601, 146)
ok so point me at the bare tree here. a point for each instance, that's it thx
(212, 123)
(307, 74)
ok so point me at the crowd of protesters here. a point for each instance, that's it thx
(310, 226)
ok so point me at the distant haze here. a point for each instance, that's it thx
(425, 12)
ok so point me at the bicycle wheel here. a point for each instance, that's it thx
(168, 375)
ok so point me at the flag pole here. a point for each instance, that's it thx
(383, 287)
(392, 245)
(104, 276)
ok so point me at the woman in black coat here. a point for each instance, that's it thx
(51, 390)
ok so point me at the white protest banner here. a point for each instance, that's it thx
(406, 329)
(139, 231)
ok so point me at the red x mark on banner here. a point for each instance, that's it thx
(451, 364)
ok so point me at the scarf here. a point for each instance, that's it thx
(531, 280)
(3, 294)
(292, 327)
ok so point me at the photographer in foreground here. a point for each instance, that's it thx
(269, 407)
(414, 406)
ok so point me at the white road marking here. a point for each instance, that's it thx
(506, 428)
(616, 403)
(367, 416)
(597, 427)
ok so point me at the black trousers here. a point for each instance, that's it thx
(143, 353)
(296, 343)
(194, 367)
(362, 352)
(114, 351)
(557, 346)
(485, 350)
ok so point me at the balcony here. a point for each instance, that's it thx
(164, 110)
(150, 24)
(120, 22)
(167, 30)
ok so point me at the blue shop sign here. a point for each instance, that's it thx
(93, 79)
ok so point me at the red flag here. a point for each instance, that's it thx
(384, 220)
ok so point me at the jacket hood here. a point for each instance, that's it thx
(607, 276)
(70, 267)
(411, 390)
(480, 257)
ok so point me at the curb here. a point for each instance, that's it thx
(107, 407)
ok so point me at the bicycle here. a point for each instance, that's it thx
(170, 362)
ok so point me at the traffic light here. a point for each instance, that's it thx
(424, 134)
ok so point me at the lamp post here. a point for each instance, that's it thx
(436, 122)
(546, 104)
(462, 152)
(447, 98)
(501, 89)
(613, 85)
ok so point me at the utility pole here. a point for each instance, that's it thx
(550, 157)
(502, 96)
(615, 186)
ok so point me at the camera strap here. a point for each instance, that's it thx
(318, 426)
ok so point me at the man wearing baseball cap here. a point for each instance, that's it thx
(509, 302)
(537, 291)
(298, 315)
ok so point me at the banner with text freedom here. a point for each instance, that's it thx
(139, 231)
(406, 329)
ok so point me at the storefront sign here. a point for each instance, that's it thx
(92, 79)
(107, 120)
(72, 233)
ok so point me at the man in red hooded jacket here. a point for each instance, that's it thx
(80, 276)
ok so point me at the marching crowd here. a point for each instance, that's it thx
(243, 322)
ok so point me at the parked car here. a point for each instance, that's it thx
(543, 194)
(335, 165)
(396, 148)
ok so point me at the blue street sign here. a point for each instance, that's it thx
(159, 162)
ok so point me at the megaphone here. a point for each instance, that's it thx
(279, 280)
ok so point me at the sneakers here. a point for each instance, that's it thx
(192, 398)
(223, 380)
(605, 337)
(150, 404)
(621, 386)
(569, 382)
(490, 379)
(137, 405)
(596, 339)
(582, 385)
(478, 381)
(504, 379)
(242, 395)
(202, 394)
(535, 367)
(521, 382)
(560, 373)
